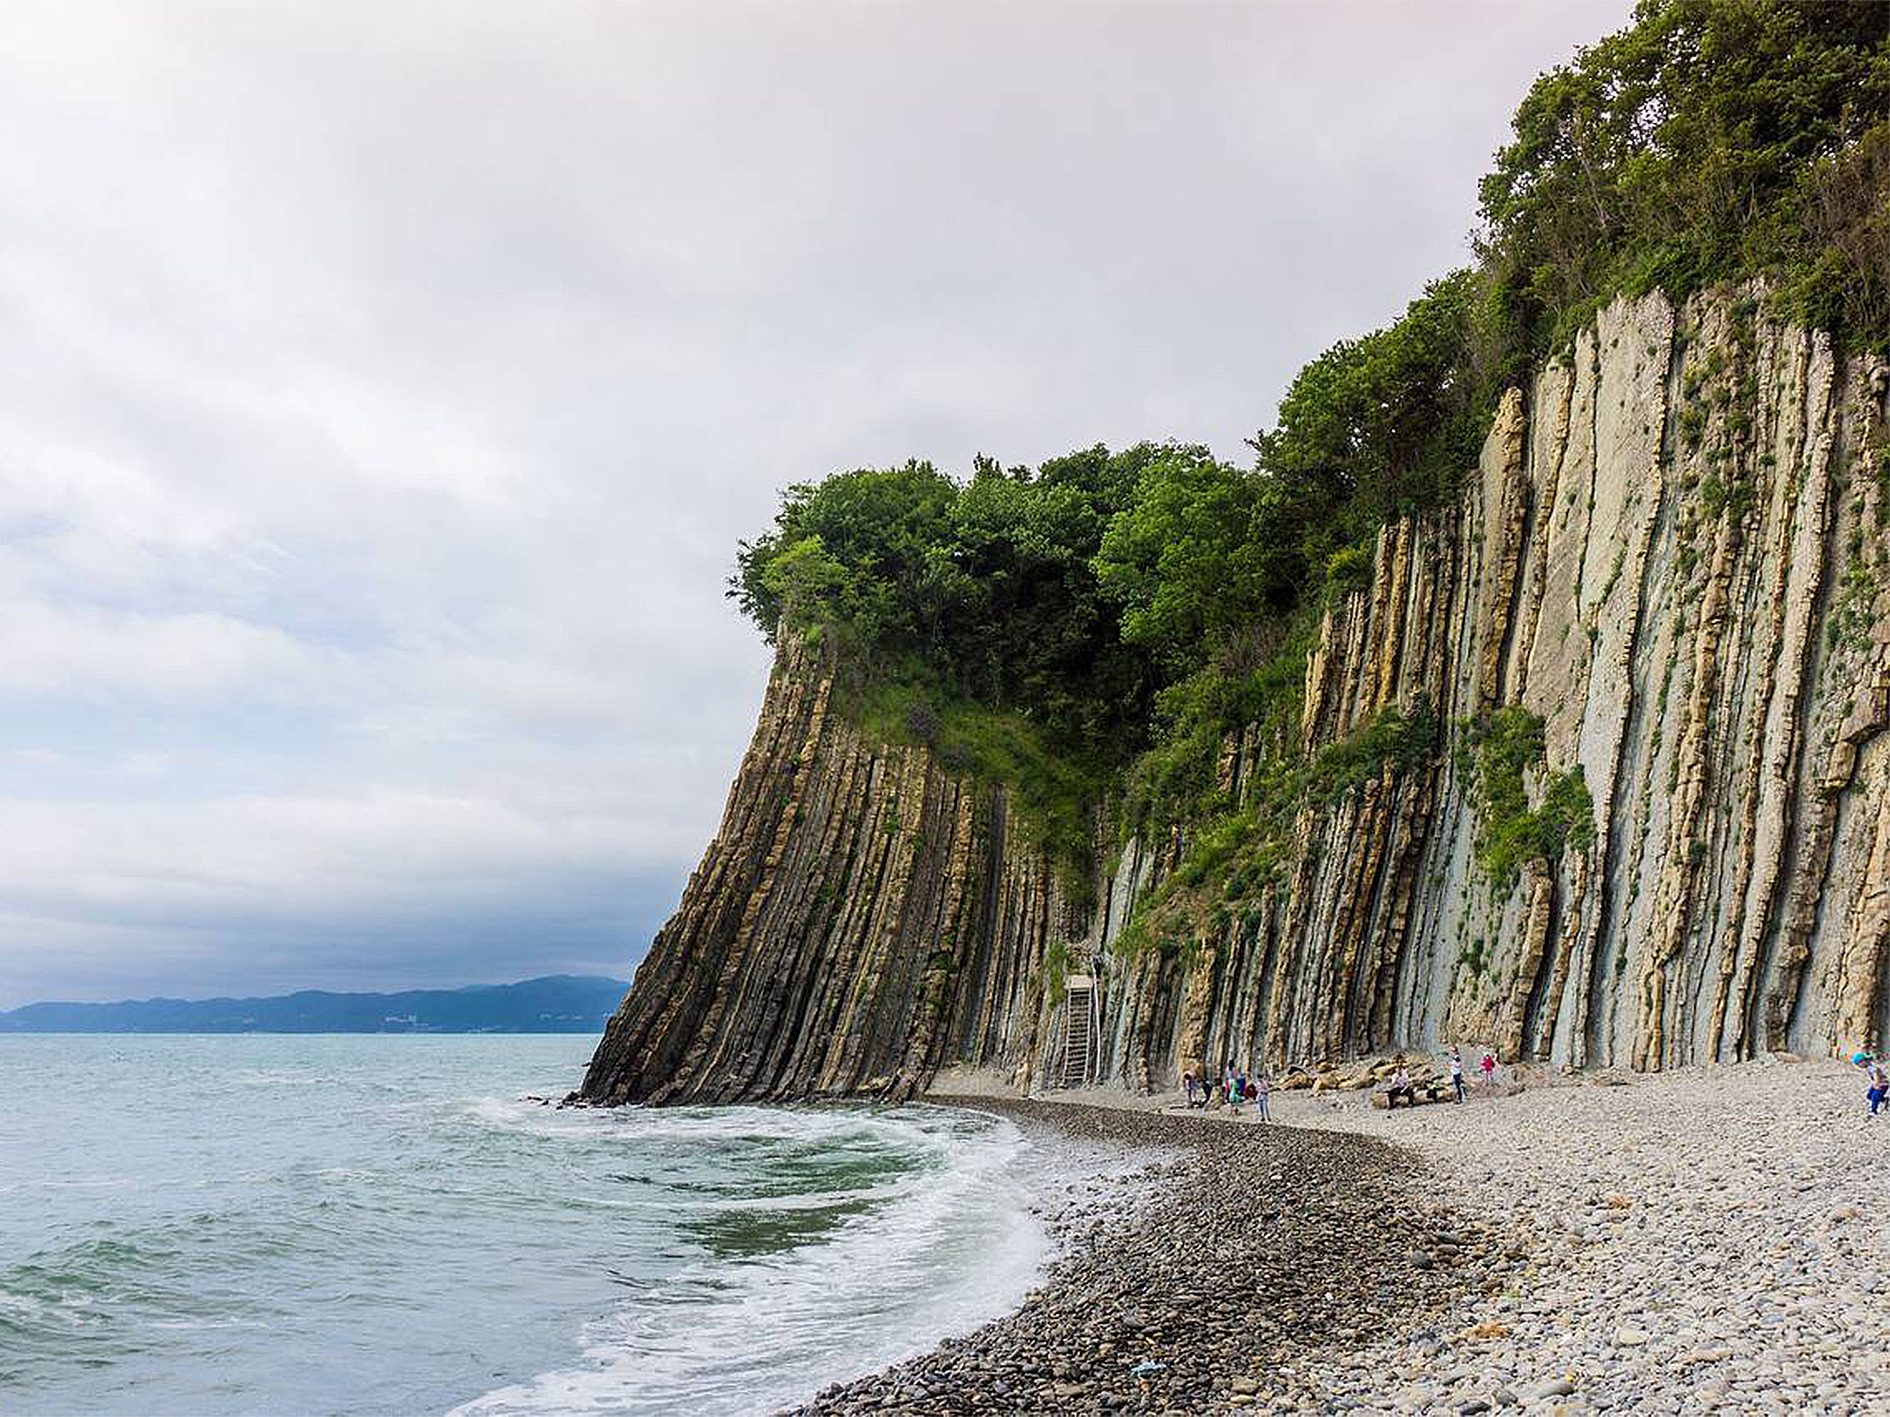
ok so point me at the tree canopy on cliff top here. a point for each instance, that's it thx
(1710, 140)
(1143, 602)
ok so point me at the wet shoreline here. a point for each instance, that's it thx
(1217, 1279)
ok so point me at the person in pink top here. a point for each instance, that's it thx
(1489, 1069)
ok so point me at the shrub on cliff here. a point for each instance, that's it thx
(1126, 611)
(1501, 753)
(970, 617)
(1711, 140)
(1375, 427)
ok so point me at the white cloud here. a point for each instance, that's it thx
(46, 649)
(383, 389)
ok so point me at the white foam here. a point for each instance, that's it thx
(943, 1250)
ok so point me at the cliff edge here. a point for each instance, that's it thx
(1647, 823)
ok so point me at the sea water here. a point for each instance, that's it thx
(388, 1224)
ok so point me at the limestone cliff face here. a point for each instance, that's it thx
(860, 917)
(1675, 551)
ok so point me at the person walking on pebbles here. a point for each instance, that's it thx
(1489, 1069)
(1876, 1079)
(1262, 1094)
(1456, 1070)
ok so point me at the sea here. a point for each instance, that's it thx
(350, 1223)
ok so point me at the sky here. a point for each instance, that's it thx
(384, 388)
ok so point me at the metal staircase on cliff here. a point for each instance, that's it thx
(1079, 1029)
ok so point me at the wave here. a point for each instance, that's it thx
(941, 1240)
(184, 1244)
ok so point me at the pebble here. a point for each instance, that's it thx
(1241, 1268)
(1699, 1241)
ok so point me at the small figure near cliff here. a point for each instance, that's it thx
(1456, 1071)
(1191, 1087)
(1876, 1078)
(1489, 1069)
(1262, 1090)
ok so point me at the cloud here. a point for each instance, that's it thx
(385, 388)
(393, 887)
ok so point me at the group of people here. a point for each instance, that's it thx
(1234, 1088)
(1401, 1085)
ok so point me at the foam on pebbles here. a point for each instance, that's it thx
(1248, 1261)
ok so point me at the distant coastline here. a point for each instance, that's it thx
(557, 1003)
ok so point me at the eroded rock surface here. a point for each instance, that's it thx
(1675, 552)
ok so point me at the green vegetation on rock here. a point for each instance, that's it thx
(1054, 790)
(1709, 141)
(1090, 631)
(1232, 857)
(1504, 749)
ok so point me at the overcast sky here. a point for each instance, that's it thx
(383, 388)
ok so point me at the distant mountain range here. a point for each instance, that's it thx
(557, 1003)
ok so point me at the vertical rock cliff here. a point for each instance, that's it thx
(860, 917)
(1672, 566)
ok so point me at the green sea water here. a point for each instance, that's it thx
(371, 1224)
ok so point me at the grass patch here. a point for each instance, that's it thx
(1231, 858)
(1054, 796)
(1504, 749)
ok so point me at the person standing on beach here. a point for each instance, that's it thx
(1262, 1092)
(1878, 1081)
(1187, 1086)
(1456, 1071)
(1489, 1069)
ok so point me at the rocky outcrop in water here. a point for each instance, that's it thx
(1671, 566)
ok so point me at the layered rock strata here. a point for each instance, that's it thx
(860, 917)
(1674, 553)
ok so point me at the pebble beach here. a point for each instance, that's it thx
(1700, 1241)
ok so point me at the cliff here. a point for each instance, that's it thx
(1661, 599)
(860, 916)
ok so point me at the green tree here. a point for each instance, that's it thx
(1373, 428)
(1185, 559)
(879, 528)
(1694, 146)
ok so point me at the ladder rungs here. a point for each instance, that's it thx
(1078, 1001)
